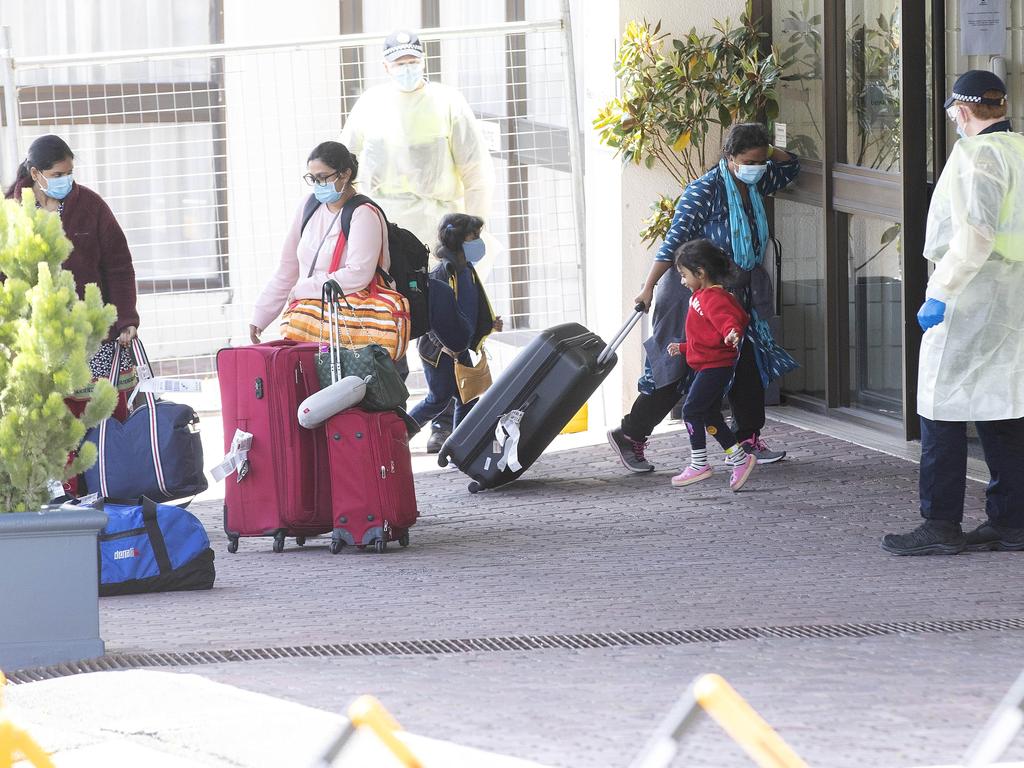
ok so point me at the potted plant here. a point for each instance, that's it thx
(675, 99)
(49, 610)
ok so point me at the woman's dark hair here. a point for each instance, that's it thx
(335, 155)
(705, 255)
(43, 153)
(453, 231)
(744, 136)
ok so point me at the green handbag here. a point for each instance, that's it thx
(385, 391)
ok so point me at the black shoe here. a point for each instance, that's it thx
(991, 537)
(436, 440)
(932, 537)
(630, 451)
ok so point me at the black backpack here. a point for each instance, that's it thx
(409, 258)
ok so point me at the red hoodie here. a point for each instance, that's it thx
(714, 312)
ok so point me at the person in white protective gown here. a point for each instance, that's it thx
(971, 365)
(421, 155)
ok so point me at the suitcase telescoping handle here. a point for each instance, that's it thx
(615, 343)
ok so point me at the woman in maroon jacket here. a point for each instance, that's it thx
(100, 254)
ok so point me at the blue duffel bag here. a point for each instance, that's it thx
(150, 547)
(156, 452)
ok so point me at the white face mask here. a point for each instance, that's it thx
(407, 76)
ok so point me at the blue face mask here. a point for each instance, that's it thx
(408, 76)
(750, 174)
(474, 250)
(59, 187)
(326, 193)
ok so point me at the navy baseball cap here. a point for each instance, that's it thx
(402, 43)
(970, 87)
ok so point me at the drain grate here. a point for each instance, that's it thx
(120, 661)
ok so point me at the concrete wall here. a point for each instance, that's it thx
(618, 198)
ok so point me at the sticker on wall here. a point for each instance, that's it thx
(780, 135)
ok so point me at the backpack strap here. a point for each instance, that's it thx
(307, 212)
(347, 211)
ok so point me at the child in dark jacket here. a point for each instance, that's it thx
(460, 316)
(715, 325)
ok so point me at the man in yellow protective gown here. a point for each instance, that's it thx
(972, 354)
(421, 156)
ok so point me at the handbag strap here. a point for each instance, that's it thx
(101, 438)
(316, 256)
(143, 370)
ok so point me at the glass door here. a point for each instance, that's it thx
(855, 86)
(872, 149)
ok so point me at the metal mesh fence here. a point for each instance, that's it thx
(200, 152)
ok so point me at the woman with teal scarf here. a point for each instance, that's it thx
(725, 206)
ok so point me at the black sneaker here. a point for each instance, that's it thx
(932, 537)
(630, 451)
(997, 538)
(436, 440)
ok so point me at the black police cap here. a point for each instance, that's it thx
(970, 87)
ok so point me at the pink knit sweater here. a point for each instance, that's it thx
(365, 250)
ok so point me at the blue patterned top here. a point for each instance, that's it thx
(703, 209)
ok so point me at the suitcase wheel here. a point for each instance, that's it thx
(279, 541)
(474, 487)
(300, 541)
(232, 544)
(380, 546)
(403, 539)
(442, 460)
(336, 545)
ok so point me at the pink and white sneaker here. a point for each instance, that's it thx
(689, 476)
(742, 472)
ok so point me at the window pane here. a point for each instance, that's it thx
(800, 229)
(876, 325)
(797, 34)
(873, 83)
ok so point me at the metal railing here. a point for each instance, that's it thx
(199, 151)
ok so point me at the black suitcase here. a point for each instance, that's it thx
(530, 403)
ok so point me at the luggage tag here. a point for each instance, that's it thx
(506, 436)
(237, 458)
(160, 385)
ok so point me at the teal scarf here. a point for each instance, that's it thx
(772, 360)
(742, 243)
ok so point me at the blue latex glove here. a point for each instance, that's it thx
(931, 313)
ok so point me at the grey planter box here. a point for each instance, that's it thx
(49, 592)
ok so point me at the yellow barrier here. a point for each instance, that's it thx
(16, 744)
(577, 423)
(367, 712)
(743, 724)
(738, 719)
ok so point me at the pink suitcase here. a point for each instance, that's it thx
(284, 488)
(374, 499)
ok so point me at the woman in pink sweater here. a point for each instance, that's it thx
(309, 245)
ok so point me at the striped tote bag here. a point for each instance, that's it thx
(374, 315)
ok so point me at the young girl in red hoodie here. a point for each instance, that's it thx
(715, 325)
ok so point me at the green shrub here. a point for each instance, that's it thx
(47, 335)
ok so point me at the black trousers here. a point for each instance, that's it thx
(746, 400)
(702, 410)
(944, 470)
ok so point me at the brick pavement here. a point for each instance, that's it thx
(579, 545)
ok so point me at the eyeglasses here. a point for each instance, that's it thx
(951, 112)
(310, 179)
